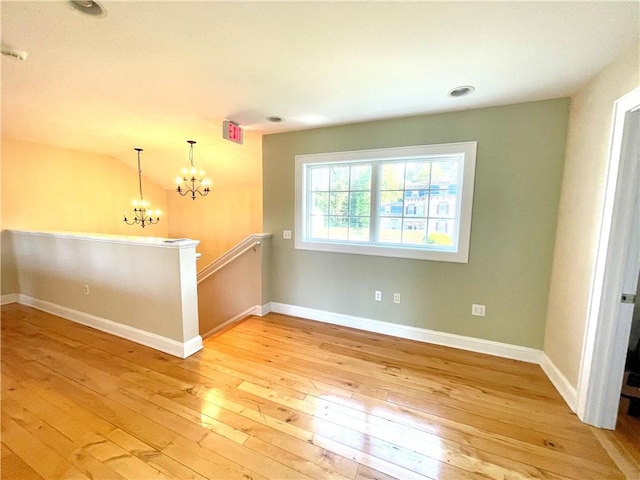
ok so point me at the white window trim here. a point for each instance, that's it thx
(468, 162)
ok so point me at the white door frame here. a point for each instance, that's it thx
(602, 365)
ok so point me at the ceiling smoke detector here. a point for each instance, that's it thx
(461, 91)
(274, 119)
(88, 7)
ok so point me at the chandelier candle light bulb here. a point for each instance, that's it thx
(189, 183)
(142, 212)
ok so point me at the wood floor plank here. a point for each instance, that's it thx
(16, 467)
(278, 397)
(45, 461)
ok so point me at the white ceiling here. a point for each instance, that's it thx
(154, 74)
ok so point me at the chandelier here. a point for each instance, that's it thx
(192, 180)
(142, 213)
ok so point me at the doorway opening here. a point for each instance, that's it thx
(616, 272)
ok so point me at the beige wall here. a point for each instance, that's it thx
(233, 209)
(580, 210)
(219, 221)
(233, 289)
(50, 188)
(69, 190)
(158, 298)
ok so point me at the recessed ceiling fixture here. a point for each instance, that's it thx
(88, 7)
(274, 119)
(142, 213)
(10, 51)
(461, 91)
(192, 180)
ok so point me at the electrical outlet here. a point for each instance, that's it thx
(396, 298)
(378, 296)
(86, 289)
(478, 310)
(286, 234)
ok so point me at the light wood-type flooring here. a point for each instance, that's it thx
(281, 398)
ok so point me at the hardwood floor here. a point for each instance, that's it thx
(278, 397)
(627, 433)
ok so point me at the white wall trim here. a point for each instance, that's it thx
(564, 387)
(110, 238)
(602, 362)
(9, 298)
(152, 340)
(255, 310)
(505, 350)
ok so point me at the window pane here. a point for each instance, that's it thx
(391, 203)
(389, 230)
(441, 232)
(444, 173)
(320, 179)
(339, 179)
(392, 176)
(359, 229)
(361, 177)
(339, 203)
(414, 231)
(415, 203)
(417, 175)
(338, 228)
(320, 202)
(319, 227)
(444, 206)
(360, 204)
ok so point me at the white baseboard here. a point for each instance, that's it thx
(566, 390)
(152, 340)
(505, 350)
(255, 310)
(10, 298)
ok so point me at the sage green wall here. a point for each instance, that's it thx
(518, 176)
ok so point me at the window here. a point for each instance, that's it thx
(412, 202)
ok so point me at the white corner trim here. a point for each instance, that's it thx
(262, 310)
(505, 350)
(9, 298)
(255, 310)
(566, 390)
(152, 340)
(189, 347)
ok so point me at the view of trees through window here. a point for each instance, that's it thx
(341, 202)
(417, 202)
